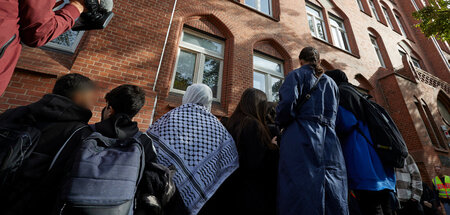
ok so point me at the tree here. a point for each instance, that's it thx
(435, 19)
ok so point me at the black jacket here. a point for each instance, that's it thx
(57, 118)
(251, 189)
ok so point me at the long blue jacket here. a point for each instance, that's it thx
(364, 167)
(312, 174)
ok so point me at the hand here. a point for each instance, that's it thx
(427, 204)
(79, 4)
(274, 141)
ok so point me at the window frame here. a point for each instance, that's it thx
(400, 24)
(415, 62)
(314, 17)
(201, 54)
(68, 49)
(268, 74)
(388, 18)
(258, 6)
(360, 5)
(374, 10)
(377, 48)
(339, 30)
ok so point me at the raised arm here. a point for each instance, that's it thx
(39, 24)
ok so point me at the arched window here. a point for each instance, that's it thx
(338, 33)
(199, 56)
(329, 23)
(374, 10)
(430, 125)
(316, 21)
(269, 67)
(379, 48)
(268, 75)
(374, 41)
(200, 60)
(412, 56)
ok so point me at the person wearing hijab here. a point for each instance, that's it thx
(312, 178)
(370, 181)
(193, 140)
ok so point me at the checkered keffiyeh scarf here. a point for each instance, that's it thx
(198, 145)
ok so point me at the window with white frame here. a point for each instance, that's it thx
(264, 6)
(361, 7)
(386, 14)
(374, 10)
(415, 62)
(400, 24)
(69, 40)
(338, 33)
(373, 39)
(315, 21)
(268, 75)
(200, 60)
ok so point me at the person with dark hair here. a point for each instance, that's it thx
(122, 104)
(371, 182)
(61, 118)
(312, 177)
(252, 188)
(33, 23)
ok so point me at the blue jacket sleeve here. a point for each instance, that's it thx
(289, 94)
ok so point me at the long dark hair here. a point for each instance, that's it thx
(312, 56)
(253, 105)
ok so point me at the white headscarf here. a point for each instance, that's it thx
(198, 94)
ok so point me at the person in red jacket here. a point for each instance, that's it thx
(33, 23)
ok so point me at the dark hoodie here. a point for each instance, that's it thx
(57, 117)
(118, 126)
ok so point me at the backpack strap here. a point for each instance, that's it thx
(357, 128)
(64, 145)
(305, 98)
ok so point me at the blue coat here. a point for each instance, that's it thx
(365, 170)
(312, 176)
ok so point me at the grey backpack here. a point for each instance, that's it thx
(104, 177)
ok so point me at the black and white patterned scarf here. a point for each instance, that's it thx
(198, 145)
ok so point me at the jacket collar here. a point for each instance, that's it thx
(118, 126)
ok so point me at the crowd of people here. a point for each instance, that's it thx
(310, 153)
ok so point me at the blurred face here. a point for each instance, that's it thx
(85, 98)
(437, 169)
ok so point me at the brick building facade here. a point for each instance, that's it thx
(165, 45)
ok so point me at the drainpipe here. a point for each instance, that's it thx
(160, 61)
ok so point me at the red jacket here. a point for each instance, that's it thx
(31, 22)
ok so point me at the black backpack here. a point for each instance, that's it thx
(17, 142)
(386, 138)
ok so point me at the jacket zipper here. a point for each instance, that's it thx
(5, 46)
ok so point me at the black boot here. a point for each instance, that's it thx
(94, 18)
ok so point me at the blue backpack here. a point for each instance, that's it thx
(104, 177)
